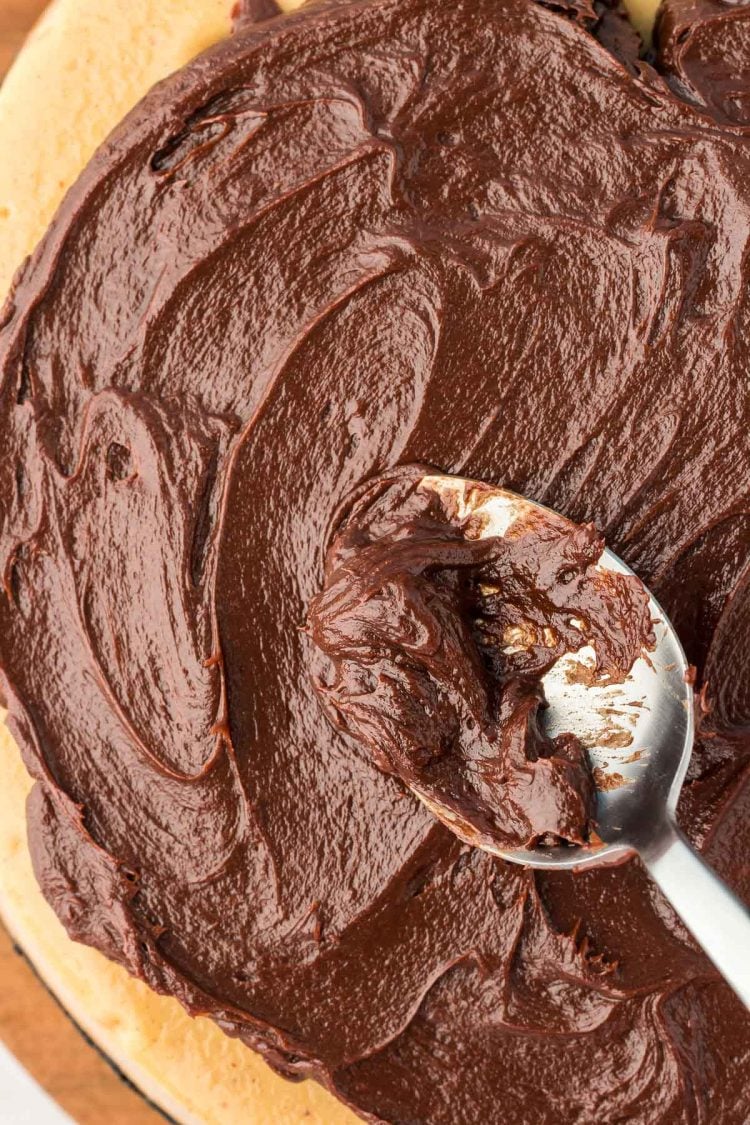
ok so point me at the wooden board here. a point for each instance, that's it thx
(39, 1033)
(16, 17)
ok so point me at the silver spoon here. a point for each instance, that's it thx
(639, 782)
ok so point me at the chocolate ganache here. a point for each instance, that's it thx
(434, 639)
(456, 232)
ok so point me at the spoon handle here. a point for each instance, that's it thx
(714, 915)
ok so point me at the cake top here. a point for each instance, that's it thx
(458, 232)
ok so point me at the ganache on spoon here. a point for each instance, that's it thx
(521, 681)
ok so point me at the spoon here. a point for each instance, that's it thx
(638, 775)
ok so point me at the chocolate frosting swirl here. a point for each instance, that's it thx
(433, 639)
(460, 232)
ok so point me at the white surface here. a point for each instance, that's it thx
(22, 1102)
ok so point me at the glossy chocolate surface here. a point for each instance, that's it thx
(459, 232)
(433, 637)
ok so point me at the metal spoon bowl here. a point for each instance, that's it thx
(639, 738)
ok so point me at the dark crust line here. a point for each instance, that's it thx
(360, 236)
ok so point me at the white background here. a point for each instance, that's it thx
(22, 1102)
